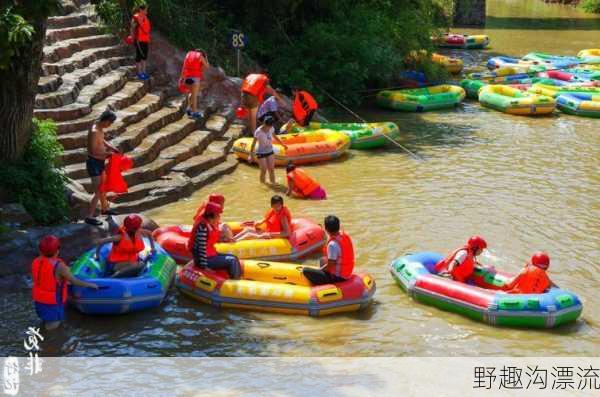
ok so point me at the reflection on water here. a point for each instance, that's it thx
(526, 184)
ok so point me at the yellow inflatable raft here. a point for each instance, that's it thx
(514, 101)
(302, 148)
(452, 65)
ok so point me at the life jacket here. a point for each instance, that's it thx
(213, 237)
(303, 184)
(345, 264)
(45, 283)
(461, 272)
(114, 182)
(532, 280)
(273, 219)
(126, 250)
(304, 105)
(256, 85)
(193, 65)
(142, 32)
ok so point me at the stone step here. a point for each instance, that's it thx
(234, 132)
(67, 21)
(48, 84)
(83, 59)
(65, 49)
(197, 164)
(75, 32)
(88, 96)
(74, 82)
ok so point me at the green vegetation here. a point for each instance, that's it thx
(592, 6)
(36, 180)
(340, 45)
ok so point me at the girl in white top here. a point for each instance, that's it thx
(264, 135)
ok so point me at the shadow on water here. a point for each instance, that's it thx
(519, 23)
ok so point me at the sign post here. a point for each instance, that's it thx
(238, 41)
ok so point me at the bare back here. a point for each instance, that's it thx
(95, 143)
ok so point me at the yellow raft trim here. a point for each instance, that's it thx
(588, 53)
(520, 103)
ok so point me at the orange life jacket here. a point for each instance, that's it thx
(303, 106)
(213, 237)
(304, 185)
(532, 280)
(142, 32)
(461, 272)
(273, 220)
(126, 250)
(193, 65)
(45, 283)
(345, 263)
(256, 85)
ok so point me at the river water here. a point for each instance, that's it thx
(525, 184)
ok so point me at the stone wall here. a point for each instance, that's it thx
(469, 13)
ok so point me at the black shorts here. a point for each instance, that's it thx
(95, 167)
(141, 51)
(264, 155)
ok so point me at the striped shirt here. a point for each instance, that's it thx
(199, 246)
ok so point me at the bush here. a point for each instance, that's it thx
(592, 6)
(37, 181)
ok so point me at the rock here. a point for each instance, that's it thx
(15, 214)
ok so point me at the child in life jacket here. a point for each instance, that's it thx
(225, 232)
(533, 278)
(126, 246)
(276, 224)
(50, 276)
(337, 264)
(460, 264)
(302, 185)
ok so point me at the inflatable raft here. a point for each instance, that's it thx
(554, 91)
(472, 87)
(483, 301)
(121, 295)
(557, 61)
(463, 41)
(307, 237)
(452, 65)
(422, 99)
(579, 104)
(305, 148)
(275, 287)
(591, 55)
(514, 101)
(501, 61)
(362, 135)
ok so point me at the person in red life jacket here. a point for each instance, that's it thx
(254, 88)
(533, 278)
(461, 263)
(191, 79)
(226, 235)
(50, 275)
(304, 107)
(140, 31)
(302, 185)
(337, 264)
(123, 258)
(276, 224)
(205, 234)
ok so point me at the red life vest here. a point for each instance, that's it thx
(213, 237)
(304, 185)
(303, 106)
(114, 182)
(345, 263)
(273, 220)
(126, 250)
(45, 283)
(460, 272)
(193, 65)
(532, 280)
(142, 33)
(256, 85)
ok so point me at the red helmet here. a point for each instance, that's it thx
(217, 199)
(476, 243)
(49, 245)
(242, 113)
(541, 260)
(212, 208)
(132, 222)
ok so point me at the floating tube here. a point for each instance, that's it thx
(557, 61)
(306, 148)
(465, 41)
(452, 65)
(554, 91)
(513, 101)
(307, 237)
(483, 301)
(591, 55)
(579, 104)
(275, 287)
(362, 135)
(422, 99)
(121, 295)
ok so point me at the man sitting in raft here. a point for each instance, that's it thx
(338, 261)
(205, 234)
(461, 263)
(533, 278)
(49, 275)
(254, 88)
(190, 80)
(126, 247)
(302, 185)
(276, 224)
(226, 235)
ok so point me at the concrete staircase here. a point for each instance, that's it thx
(84, 71)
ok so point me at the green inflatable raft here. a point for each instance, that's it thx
(362, 135)
(422, 99)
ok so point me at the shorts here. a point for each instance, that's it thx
(141, 51)
(264, 155)
(249, 101)
(318, 194)
(192, 80)
(95, 167)
(50, 313)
